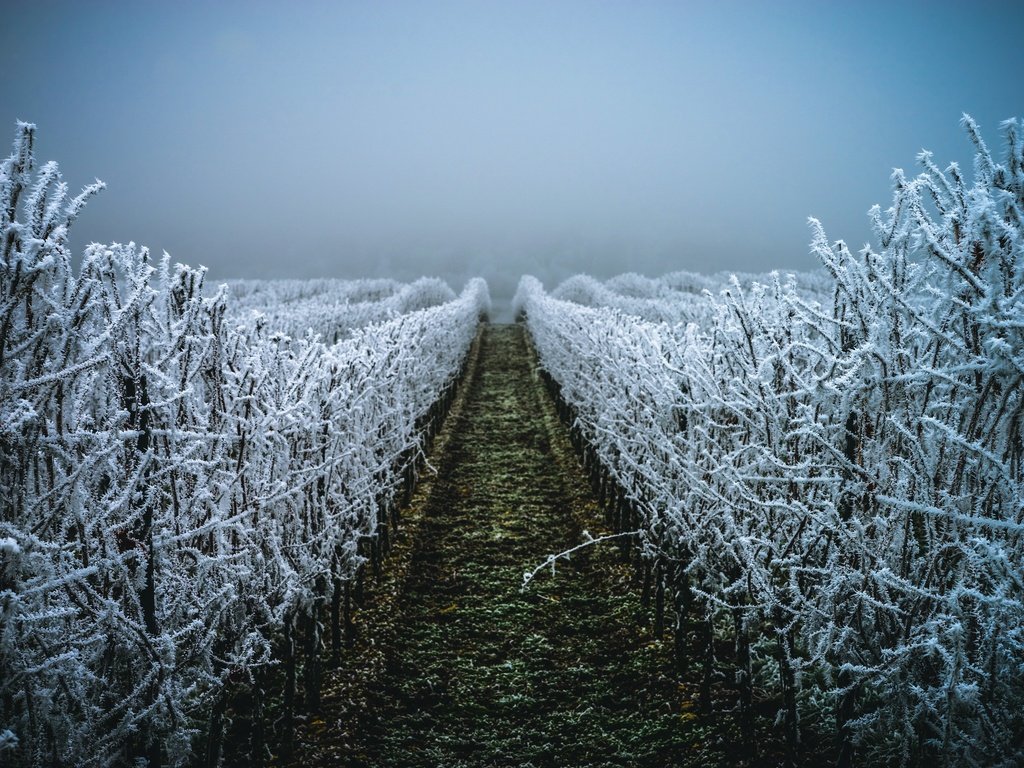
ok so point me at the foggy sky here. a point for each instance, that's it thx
(465, 138)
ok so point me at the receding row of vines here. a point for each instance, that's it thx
(188, 498)
(828, 482)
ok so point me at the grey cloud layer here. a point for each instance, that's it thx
(468, 138)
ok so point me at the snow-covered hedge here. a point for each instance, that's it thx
(678, 297)
(329, 308)
(180, 495)
(839, 483)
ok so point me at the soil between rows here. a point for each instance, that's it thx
(455, 666)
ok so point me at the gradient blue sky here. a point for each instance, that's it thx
(460, 138)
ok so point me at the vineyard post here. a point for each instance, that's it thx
(311, 672)
(288, 651)
(744, 682)
(336, 598)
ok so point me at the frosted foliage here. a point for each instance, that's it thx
(180, 485)
(679, 297)
(330, 309)
(834, 466)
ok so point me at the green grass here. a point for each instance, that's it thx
(455, 666)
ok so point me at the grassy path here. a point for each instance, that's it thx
(457, 667)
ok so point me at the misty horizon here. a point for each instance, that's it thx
(465, 139)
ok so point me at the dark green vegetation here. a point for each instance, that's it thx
(454, 665)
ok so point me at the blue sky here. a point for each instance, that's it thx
(460, 138)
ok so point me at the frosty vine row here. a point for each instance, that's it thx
(329, 308)
(185, 493)
(835, 483)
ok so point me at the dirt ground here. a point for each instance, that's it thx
(454, 664)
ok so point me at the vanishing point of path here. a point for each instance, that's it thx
(456, 666)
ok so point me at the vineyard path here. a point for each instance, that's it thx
(455, 665)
